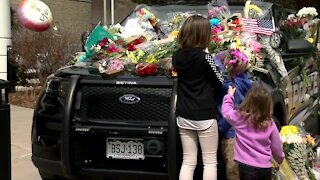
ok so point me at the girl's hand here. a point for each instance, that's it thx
(231, 90)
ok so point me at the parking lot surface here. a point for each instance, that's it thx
(22, 167)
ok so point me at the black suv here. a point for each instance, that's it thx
(86, 126)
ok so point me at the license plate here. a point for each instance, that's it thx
(125, 148)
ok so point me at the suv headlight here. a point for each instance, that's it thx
(276, 40)
(57, 86)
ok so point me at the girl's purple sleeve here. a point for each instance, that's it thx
(276, 145)
(227, 109)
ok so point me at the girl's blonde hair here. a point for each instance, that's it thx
(195, 32)
(258, 106)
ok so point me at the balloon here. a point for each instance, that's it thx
(34, 15)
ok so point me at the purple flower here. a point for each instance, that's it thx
(240, 56)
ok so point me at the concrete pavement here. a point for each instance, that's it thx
(22, 167)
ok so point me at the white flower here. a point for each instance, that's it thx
(307, 11)
(233, 45)
(118, 26)
(291, 16)
(97, 48)
(292, 139)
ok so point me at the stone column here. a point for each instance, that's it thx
(5, 36)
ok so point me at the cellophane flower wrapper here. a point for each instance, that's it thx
(173, 21)
(282, 172)
(142, 21)
(257, 9)
(146, 12)
(219, 9)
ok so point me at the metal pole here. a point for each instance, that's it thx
(112, 11)
(5, 36)
(104, 12)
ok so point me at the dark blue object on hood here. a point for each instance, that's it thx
(242, 84)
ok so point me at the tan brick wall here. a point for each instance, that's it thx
(67, 12)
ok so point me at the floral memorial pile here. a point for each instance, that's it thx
(144, 44)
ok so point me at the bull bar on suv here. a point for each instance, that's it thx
(142, 111)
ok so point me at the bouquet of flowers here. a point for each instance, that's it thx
(256, 9)
(308, 12)
(236, 61)
(293, 27)
(297, 148)
(303, 25)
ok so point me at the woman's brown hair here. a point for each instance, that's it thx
(195, 32)
(258, 106)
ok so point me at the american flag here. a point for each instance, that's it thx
(259, 26)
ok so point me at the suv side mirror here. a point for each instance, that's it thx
(299, 46)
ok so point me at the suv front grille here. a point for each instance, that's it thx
(101, 103)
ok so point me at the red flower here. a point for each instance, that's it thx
(119, 41)
(112, 49)
(146, 70)
(236, 21)
(103, 42)
(216, 39)
(131, 45)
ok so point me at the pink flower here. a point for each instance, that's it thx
(115, 64)
(216, 29)
(216, 39)
(255, 46)
(213, 12)
(239, 56)
(233, 61)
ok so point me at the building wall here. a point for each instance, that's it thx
(67, 12)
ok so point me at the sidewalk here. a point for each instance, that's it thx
(22, 167)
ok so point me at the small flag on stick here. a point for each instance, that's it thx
(258, 26)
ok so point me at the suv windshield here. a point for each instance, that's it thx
(165, 11)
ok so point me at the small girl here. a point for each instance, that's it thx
(257, 136)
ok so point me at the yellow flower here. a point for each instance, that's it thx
(289, 130)
(151, 59)
(132, 57)
(173, 34)
(310, 40)
(238, 42)
(242, 48)
(140, 54)
(255, 8)
(174, 74)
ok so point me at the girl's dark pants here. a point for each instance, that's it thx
(247, 172)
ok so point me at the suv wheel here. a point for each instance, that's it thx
(277, 122)
(48, 176)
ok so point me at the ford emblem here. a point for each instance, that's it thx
(129, 99)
